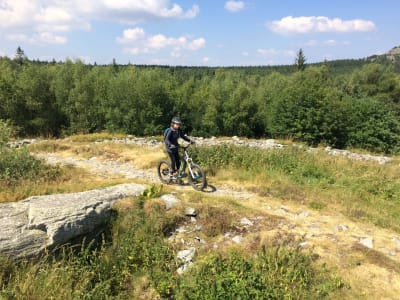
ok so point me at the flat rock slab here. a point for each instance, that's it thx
(39, 222)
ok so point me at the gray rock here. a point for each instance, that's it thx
(246, 222)
(396, 240)
(190, 212)
(367, 242)
(40, 222)
(237, 239)
(341, 228)
(170, 201)
(186, 255)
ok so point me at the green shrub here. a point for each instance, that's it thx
(300, 166)
(276, 273)
(6, 132)
(18, 164)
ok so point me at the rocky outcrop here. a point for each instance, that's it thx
(39, 222)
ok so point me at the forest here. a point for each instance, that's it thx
(343, 104)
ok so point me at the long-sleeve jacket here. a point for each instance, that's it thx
(171, 139)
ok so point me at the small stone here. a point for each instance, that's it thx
(341, 228)
(170, 201)
(183, 268)
(200, 240)
(237, 239)
(367, 242)
(285, 208)
(304, 214)
(303, 245)
(246, 222)
(186, 255)
(396, 240)
(190, 212)
(181, 229)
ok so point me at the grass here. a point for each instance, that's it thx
(135, 261)
(363, 191)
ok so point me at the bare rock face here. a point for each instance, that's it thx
(39, 222)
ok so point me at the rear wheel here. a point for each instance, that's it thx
(198, 178)
(163, 171)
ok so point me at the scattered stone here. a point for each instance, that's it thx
(284, 208)
(367, 242)
(186, 255)
(396, 240)
(341, 228)
(200, 240)
(246, 222)
(198, 228)
(190, 212)
(181, 229)
(170, 201)
(183, 268)
(304, 245)
(237, 239)
(304, 214)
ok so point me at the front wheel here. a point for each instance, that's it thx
(163, 171)
(197, 178)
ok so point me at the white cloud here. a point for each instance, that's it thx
(234, 6)
(276, 53)
(206, 60)
(291, 24)
(50, 38)
(40, 20)
(316, 43)
(142, 43)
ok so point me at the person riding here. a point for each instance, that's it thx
(172, 145)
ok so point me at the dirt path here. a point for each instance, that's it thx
(369, 255)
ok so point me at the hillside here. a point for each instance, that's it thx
(329, 203)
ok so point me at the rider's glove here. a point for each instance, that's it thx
(192, 142)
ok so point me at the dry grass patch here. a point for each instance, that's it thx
(71, 180)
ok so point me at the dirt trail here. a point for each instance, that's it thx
(371, 255)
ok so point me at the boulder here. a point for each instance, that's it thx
(39, 222)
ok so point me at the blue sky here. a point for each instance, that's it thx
(198, 33)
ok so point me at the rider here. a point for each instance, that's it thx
(172, 145)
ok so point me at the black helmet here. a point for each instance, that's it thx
(176, 120)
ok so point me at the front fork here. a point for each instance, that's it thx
(186, 161)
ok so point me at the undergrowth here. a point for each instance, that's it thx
(137, 262)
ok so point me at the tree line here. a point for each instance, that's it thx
(319, 104)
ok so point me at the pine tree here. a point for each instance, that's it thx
(300, 61)
(20, 55)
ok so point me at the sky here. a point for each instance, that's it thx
(198, 33)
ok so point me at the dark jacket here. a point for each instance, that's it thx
(171, 140)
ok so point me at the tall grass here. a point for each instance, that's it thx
(361, 190)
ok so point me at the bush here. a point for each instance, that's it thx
(277, 273)
(6, 132)
(295, 163)
(16, 165)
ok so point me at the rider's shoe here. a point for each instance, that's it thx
(182, 175)
(173, 176)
